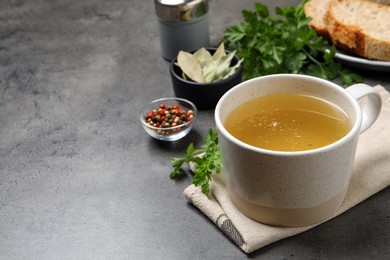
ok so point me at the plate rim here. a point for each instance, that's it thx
(343, 56)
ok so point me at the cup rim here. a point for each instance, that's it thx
(350, 135)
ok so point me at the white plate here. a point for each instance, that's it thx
(362, 63)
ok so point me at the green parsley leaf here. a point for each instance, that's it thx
(177, 163)
(284, 43)
(208, 161)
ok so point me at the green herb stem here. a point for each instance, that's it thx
(208, 161)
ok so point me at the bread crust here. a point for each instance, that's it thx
(372, 48)
(316, 9)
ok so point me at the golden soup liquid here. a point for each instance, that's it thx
(288, 122)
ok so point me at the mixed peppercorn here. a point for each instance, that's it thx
(168, 116)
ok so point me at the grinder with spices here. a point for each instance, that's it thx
(183, 25)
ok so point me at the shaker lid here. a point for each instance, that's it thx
(180, 10)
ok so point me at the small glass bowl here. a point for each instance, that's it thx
(171, 133)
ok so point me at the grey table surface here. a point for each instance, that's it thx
(80, 179)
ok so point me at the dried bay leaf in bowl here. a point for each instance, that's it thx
(190, 66)
(203, 56)
(220, 52)
(202, 67)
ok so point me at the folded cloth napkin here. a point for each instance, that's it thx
(370, 175)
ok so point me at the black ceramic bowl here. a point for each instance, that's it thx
(203, 95)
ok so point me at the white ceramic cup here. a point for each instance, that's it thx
(293, 188)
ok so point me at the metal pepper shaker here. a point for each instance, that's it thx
(183, 25)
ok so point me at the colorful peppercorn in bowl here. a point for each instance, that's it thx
(168, 119)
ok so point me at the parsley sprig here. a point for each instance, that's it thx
(284, 43)
(208, 161)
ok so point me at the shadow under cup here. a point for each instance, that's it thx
(288, 188)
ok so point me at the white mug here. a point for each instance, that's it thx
(300, 187)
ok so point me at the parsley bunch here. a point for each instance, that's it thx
(284, 43)
(208, 160)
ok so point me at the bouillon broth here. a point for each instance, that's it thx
(288, 122)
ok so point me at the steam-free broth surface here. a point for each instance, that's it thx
(288, 122)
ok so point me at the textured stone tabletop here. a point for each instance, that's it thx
(80, 179)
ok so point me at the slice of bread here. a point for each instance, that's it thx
(316, 9)
(361, 27)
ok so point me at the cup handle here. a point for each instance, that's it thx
(372, 105)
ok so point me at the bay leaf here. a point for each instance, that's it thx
(190, 66)
(203, 56)
(233, 69)
(220, 52)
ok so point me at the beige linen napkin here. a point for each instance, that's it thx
(371, 174)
